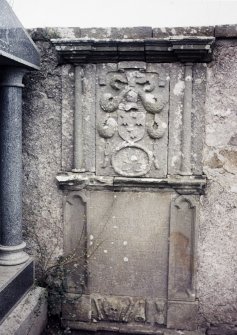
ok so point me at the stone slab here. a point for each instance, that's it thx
(183, 31)
(182, 315)
(16, 46)
(131, 229)
(15, 281)
(226, 31)
(29, 317)
(115, 33)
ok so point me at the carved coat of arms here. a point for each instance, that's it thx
(125, 106)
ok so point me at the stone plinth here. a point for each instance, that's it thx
(15, 281)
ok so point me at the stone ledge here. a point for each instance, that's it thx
(182, 184)
(183, 31)
(226, 31)
(176, 49)
(29, 316)
(133, 33)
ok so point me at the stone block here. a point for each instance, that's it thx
(29, 316)
(183, 31)
(117, 33)
(15, 281)
(226, 31)
(182, 315)
(76, 307)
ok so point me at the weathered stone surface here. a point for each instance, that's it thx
(183, 31)
(132, 134)
(29, 316)
(42, 203)
(68, 84)
(182, 315)
(125, 240)
(117, 33)
(218, 232)
(226, 31)
(222, 329)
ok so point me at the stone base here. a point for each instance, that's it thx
(29, 316)
(15, 281)
(85, 329)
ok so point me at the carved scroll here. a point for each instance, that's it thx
(131, 120)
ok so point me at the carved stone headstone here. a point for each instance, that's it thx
(132, 192)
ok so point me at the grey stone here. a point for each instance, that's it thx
(198, 118)
(76, 307)
(117, 33)
(183, 31)
(15, 281)
(45, 34)
(175, 119)
(226, 31)
(217, 233)
(29, 316)
(68, 84)
(11, 243)
(111, 266)
(16, 47)
(173, 49)
(42, 203)
(182, 315)
(182, 249)
(120, 134)
(222, 329)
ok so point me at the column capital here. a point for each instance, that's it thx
(12, 76)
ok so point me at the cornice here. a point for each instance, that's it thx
(153, 50)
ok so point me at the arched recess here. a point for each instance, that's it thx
(182, 261)
(75, 214)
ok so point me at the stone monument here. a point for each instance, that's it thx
(132, 196)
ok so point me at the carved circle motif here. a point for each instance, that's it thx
(132, 161)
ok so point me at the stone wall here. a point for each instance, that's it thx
(42, 157)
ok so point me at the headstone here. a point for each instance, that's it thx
(132, 195)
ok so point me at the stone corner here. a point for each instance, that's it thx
(29, 316)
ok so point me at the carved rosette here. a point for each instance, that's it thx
(125, 104)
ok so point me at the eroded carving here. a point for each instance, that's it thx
(131, 160)
(161, 307)
(128, 97)
(118, 309)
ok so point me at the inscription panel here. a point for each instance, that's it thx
(128, 236)
(132, 118)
